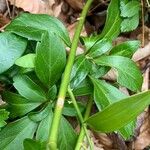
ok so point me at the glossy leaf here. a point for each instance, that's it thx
(3, 116)
(80, 70)
(106, 94)
(98, 71)
(128, 73)
(119, 113)
(126, 49)
(112, 26)
(32, 26)
(129, 24)
(88, 42)
(40, 115)
(14, 133)
(30, 144)
(84, 88)
(26, 61)
(50, 59)
(113, 21)
(11, 48)
(28, 89)
(44, 127)
(67, 136)
(130, 9)
(52, 93)
(17, 105)
(101, 47)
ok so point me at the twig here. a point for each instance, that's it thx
(8, 9)
(143, 28)
(148, 4)
(13, 11)
(65, 80)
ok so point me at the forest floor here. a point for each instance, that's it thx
(68, 12)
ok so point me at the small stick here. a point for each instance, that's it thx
(13, 11)
(8, 9)
(143, 29)
(148, 4)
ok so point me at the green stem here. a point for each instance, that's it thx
(65, 80)
(82, 132)
(79, 114)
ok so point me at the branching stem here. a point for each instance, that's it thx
(83, 125)
(82, 132)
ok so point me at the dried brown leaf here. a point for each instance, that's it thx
(33, 6)
(2, 5)
(3, 21)
(75, 4)
(143, 139)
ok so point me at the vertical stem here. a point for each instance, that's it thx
(66, 79)
(82, 133)
(79, 115)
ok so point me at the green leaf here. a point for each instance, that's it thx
(128, 73)
(44, 127)
(28, 89)
(112, 26)
(126, 49)
(130, 9)
(3, 116)
(98, 71)
(11, 48)
(32, 26)
(129, 24)
(40, 115)
(52, 93)
(50, 59)
(26, 61)
(67, 136)
(17, 105)
(127, 131)
(113, 21)
(69, 109)
(84, 88)
(119, 113)
(80, 70)
(88, 42)
(14, 133)
(106, 94)
(30, 144)
(99, 48)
